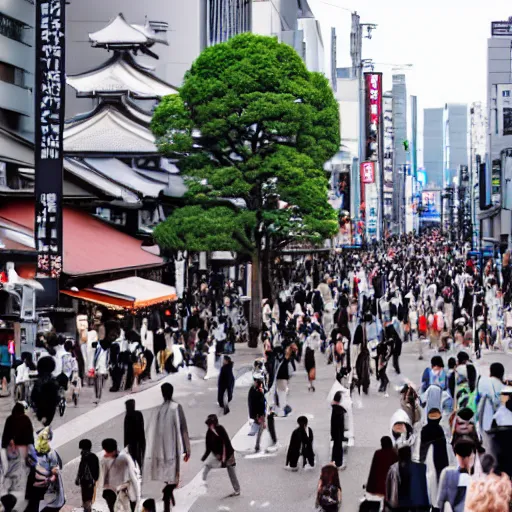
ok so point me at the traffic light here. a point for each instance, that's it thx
(406, 145)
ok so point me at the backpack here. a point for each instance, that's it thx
(328, 497)
(86, 479)
(464, 396)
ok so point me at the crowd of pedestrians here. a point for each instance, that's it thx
(449, 439)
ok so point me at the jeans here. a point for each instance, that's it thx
(282, 393)
(213, 463)
(384, 381)
(271, 424)
(98, 385)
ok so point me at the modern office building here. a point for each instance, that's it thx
(433, 145)
(17, 18)
(496, 218)
(193, 25)
(400, 163)
(455, 140)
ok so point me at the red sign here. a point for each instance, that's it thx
(373, 82)
(368, 172)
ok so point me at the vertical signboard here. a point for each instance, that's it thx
(374, 141)
(496, 183)
(367, 177)
(372, 206)
(334, 58)
(344, 189)
(49, 125)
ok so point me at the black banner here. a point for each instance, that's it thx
(50, 86)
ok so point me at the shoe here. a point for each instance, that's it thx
(342, 467)
(386, 395)
(307, 467)
(420, 358)
(293, 470)
(234, 494)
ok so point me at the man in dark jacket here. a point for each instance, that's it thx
(338, 431)
(134, 436)
(383, 459)
(226, 384)
(432, 435)
(219, 452)
(88, 473)
(301, 443)
(18, 428)
(45, 394)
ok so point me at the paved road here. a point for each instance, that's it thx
(265, 483)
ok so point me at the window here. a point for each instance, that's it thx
(11, 28)
(12, 74)
(506, 94)
(507, 121)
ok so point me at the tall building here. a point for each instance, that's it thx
(400, 164)
(17, 58)
(455, 144)
(433, 145)
(193, 25)
(496, 222)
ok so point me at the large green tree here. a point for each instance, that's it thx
(249, 123)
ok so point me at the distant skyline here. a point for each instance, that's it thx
(445, 40)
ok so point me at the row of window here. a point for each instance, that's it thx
(11, 28)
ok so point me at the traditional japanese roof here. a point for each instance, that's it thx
(90, 245)
(143, 116)
(110, 129)
(119, 172)
(118, 76)
(120, 34)
(97, 180)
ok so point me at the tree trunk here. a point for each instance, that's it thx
(256, 298)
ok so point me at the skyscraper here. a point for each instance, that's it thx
(17, 60)
(455, 145)
(399, 93)
(433, 145)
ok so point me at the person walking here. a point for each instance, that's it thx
(88, 474)
(301, 443)
(18, 430)
(45, 394)
(134, 435)
(454, 482)
(120, 483)
(338, 431)
(382, 460)
(406, 485)
(167, 439)
(309, 361)
(226, 384)
(219, 453)
(101, 363)
(328, 494)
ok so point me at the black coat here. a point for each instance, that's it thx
(226, 382)
(301, 443)
(18, 428)
(432, 434)
(218, 444)
(338, 424)
(256, 402)
(134, 437)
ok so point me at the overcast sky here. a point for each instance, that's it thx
(446, 40)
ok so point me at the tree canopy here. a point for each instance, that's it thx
(249, 123)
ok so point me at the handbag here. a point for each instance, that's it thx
(122, 503)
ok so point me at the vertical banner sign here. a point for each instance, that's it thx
(49, 125)
(374, 136)
(367, 177)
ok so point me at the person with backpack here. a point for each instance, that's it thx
(88, 474)
(488, 393)
(462, 381)
(328, 496)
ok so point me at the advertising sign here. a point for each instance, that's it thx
(50, 85)
(368, 172)
(506, 166)
(372, 206)
(373, 114)
(496, 183)
(501, 28)
(344, 190)
(431, 202)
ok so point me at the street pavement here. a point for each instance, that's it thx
(264, 481)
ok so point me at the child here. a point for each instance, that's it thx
(301, 443)
(88, 474)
